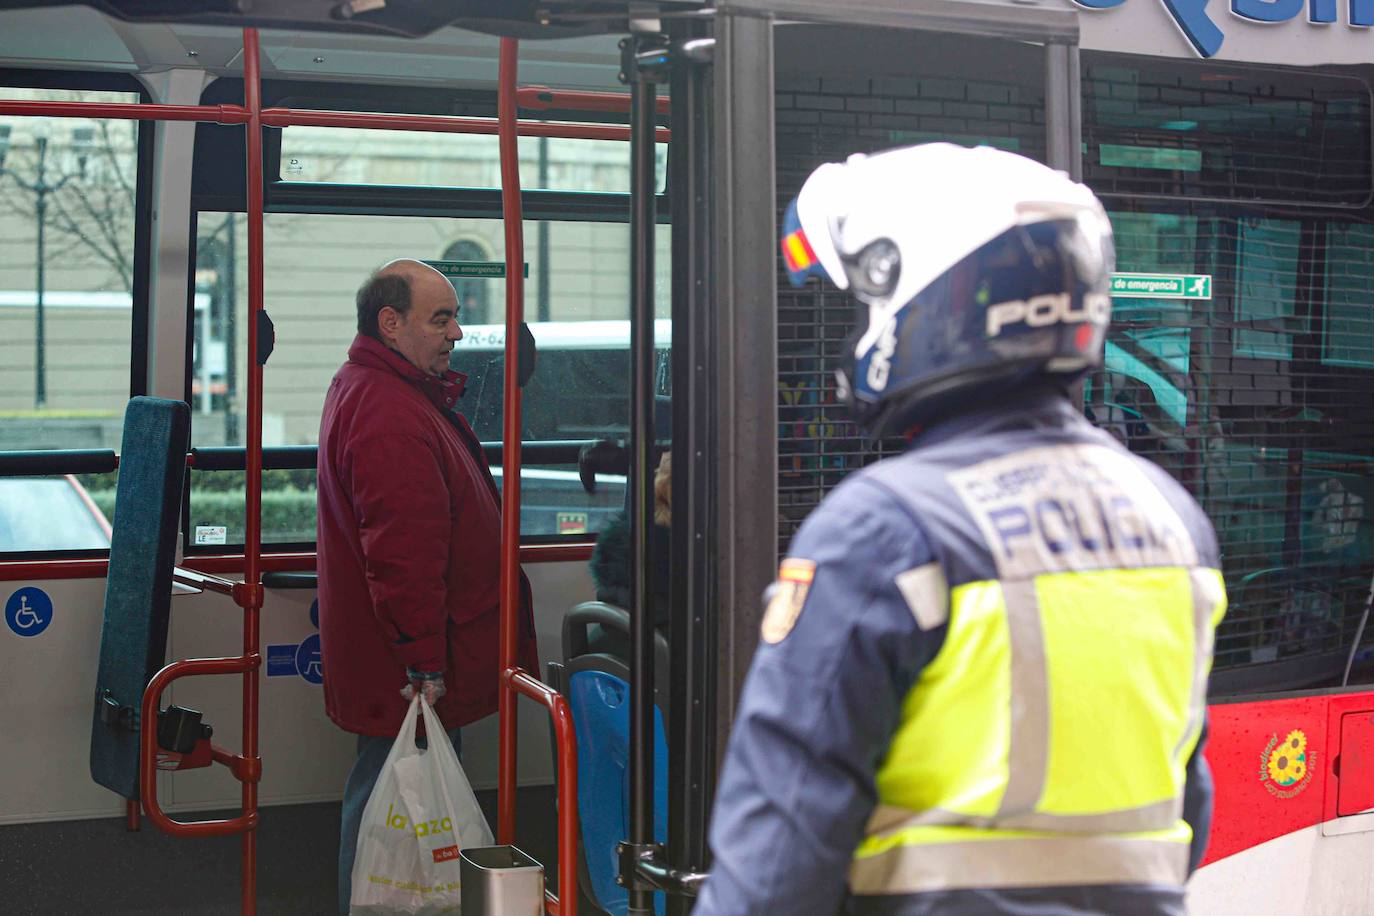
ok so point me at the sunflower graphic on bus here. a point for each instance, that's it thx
(1285, 768)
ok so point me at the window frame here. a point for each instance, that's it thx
(99, 81)
(217, 165)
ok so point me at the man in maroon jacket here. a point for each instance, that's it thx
(409, 534)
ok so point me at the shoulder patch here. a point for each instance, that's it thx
(787, 598)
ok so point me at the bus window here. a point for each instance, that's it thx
(1203, 130)
(69, 281)
(1255, 397)
(313, 266)
(1349, 276)
(361, 156)
(68, 285)
(1266, 294)
(1142, 395)
(913, 87)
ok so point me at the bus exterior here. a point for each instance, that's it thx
(1233, 153)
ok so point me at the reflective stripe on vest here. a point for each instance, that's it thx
(1059, 715)
(944, 858)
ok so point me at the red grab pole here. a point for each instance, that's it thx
(515, 681)
(510, 468)
(127, 111)
(251, 596)
(561, 715)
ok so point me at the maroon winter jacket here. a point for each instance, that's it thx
(409, 546)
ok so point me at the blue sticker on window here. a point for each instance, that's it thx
(28, 611)
(308, 659)
(281, 661)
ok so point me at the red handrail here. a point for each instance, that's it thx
(565, 741)
(514, 679)
(98, 567)
(511, 213)
(302, 117)
(246, 768)
(127, 111)
(305, 117)
(510, 487)
(250, 598)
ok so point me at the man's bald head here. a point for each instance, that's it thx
(385, 303)
(411, 269)
(393, 285)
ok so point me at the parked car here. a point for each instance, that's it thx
(553, 502)
(50, 513)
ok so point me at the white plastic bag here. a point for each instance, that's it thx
(422, 811)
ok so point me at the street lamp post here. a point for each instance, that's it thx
(40, 188)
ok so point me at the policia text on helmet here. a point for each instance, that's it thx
(976, 271)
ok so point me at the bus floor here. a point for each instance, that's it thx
(97, 867)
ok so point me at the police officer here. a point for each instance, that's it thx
(981, 681)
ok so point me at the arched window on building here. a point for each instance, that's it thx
(474, 295)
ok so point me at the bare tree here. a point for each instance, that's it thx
(97, 213)
(88, 194)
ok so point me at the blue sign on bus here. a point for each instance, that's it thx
(281, 660)
(299, 659)
(28, 611)
(308, 659)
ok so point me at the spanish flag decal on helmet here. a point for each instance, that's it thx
(786, 598)
(796, 251)
(798, 256)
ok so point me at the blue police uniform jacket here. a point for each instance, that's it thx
(839, 670)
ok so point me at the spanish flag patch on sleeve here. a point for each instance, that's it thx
(796, 251)
(787, 598)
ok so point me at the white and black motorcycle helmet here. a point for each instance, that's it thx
(975, 269)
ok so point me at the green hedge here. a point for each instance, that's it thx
(288, 514)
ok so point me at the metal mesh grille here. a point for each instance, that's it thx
(1259, 399)
(818, 445)
(824, 120)
(1204, 131)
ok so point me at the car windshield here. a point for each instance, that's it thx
(47, 514)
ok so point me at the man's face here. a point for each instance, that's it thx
(425, 335)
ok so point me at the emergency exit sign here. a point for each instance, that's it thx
(473, 270)
(1162, 286)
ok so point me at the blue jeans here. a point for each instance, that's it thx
(372, 753)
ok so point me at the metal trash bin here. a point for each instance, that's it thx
(500, 881)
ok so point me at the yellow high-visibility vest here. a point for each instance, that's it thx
(1046, 743)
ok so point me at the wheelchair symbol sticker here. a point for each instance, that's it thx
(28, 611)
(308, 659)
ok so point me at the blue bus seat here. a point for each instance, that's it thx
(597, 687)
(138, 587)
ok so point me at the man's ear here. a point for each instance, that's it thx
(388, 321)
